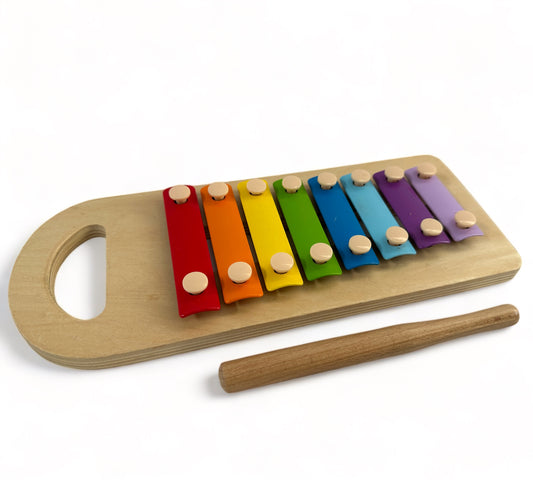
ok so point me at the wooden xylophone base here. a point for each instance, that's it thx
(141, 322)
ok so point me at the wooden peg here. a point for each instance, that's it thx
(180, 193)
(359, 244)
(291, 183)
(327, 180)
(218, 190)
(360, 177)
(396, 236)
(239, 272)
(333, 353)
(465, 219)
(321, 252)
(256, 186)
(426, 170)
(195, 283)
(431, 227)
(281, 262)
(394, 173)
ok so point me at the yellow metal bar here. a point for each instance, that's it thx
(268, 236)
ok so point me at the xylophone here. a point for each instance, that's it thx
(192, 267)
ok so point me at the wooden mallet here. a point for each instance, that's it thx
(293, 362)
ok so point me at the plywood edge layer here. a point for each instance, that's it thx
(272, 327)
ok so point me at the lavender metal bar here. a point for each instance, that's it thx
(442, 203)
(409, 209)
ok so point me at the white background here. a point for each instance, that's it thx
(101, 98)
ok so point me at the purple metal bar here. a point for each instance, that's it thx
(409, 209)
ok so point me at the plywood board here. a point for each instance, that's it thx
(141, 321)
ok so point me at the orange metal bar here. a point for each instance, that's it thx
(230, 245)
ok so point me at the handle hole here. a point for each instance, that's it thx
(80, 282)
